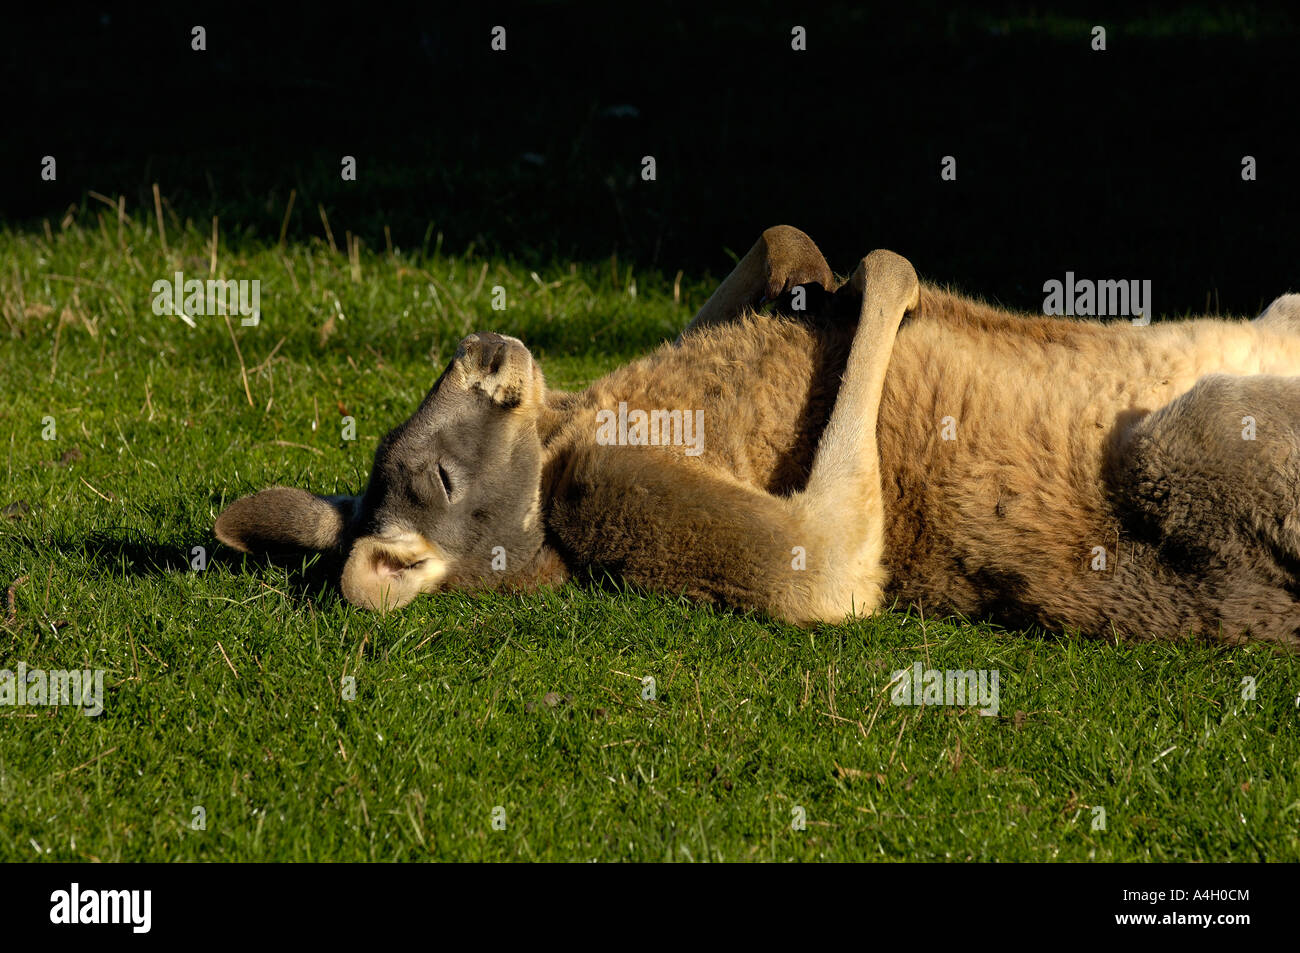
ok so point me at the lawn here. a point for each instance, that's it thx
(250, 714)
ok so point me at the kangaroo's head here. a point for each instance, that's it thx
(453, 498)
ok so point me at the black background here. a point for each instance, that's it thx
(1117, 164)
(1016, 906)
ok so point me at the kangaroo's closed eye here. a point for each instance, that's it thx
(446, 481)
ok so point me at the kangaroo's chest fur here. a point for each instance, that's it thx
(995, 431)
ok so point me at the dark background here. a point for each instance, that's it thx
(1117, 164)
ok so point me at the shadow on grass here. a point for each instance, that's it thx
(118, 556)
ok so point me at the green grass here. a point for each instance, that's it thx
(224, 687)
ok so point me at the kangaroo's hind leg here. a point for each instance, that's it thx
(1213, 478)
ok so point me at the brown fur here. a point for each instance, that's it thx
(999, 523)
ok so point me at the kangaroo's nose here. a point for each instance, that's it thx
(483, 351)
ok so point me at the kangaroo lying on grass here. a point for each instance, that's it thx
(1113, 480)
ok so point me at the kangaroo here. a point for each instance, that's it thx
(890, 442)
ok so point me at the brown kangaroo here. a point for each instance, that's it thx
(1111, 480)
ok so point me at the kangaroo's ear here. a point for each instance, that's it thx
(282, 518)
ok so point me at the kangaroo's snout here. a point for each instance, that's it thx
(496, 364)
